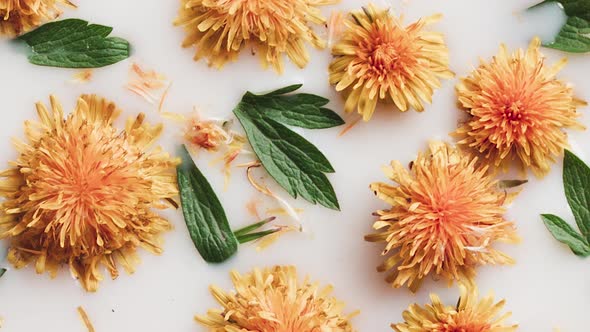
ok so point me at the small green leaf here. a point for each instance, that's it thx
(573, 36)
(2, 271)
(564, 233)
(576, 183)
(253, 227)
(255, 236)
(285, 90)
(300, 110)
(204, 216)
(296, 164)
(73, 43)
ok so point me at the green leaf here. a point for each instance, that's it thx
(564, 233)
(300, 110)
(285, 90)
(253, 227)
(579, 8)
(296, 164)
(73, 43)
(204, 216)
(573, 36)
(576, 183)
(2, 271)
(255, 236)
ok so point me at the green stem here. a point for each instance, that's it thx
(249, 228)
(255, 236)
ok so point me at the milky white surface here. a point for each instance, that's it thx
(547, 288)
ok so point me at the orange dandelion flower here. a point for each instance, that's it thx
(446, 213)
(470, 314)
(517, 110)
(221, 29)
(81, 192)
(379, 60)
(273, 300)
(18, 16)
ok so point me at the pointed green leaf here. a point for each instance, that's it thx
(73, 43)
(564, 233)
(295, 163)
(204, 216)
(576, 183)
(285, 90)
(253, 227)
(574, 35)
(299, 110)
(255, 236)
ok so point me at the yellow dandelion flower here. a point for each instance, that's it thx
(18, 16)
(517, 110)
(81, 192)
(379, 60)
(221, 29)
(274, 300)
(445, 215)
(470, 314)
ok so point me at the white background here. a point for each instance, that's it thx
(548, 287)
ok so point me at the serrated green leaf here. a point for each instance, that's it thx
(204, 216)
(576, 183)
(564, 233)
(285, 90)
(296, 164)
(73, 43)
(573, 36)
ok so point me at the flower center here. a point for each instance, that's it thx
(384, 58)
(513, 112)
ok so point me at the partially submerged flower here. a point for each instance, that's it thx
(379, 60)
(206, 134)
(274, 299)
(469, 315)
(220, 30)
(517, 110)
(445, 215)
(82, 192)
(18, 16)
(214, 135)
